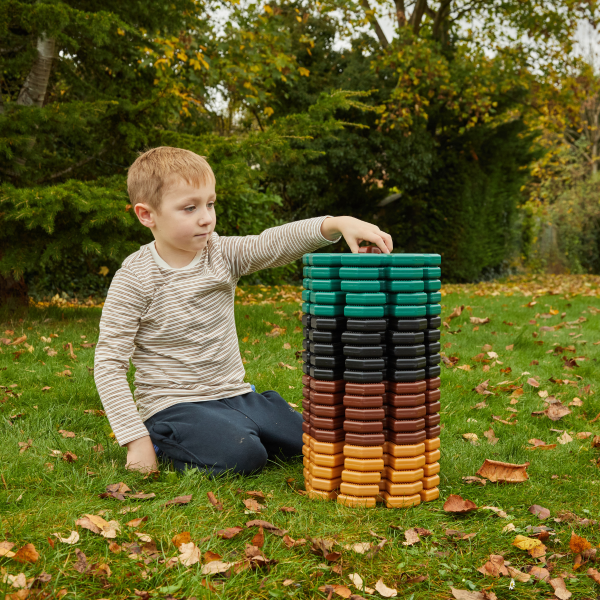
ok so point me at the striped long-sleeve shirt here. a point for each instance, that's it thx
(177, 325)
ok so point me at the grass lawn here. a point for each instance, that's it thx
(41, 493)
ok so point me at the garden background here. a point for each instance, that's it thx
(468, 129)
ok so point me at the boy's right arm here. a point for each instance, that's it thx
(123, 308)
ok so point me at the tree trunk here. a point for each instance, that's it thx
(13, 292)
(371, 17)
(34, 89)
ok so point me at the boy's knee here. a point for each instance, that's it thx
(249, 456)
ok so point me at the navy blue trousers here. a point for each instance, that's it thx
(235, 434)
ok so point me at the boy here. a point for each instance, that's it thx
(170, 308)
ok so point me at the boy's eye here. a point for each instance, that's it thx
(211, 205)
(190, 208)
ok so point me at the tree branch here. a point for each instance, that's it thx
(400, 12)
(417, 15)
(371, 17)
(69, 169)
(441, 14)
(34, 89)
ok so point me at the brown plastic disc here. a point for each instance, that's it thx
(306, 392)
(363, 401)
(415, 387)
(327, 435)
(306, 379)
(432, 432)
(326, 410)
(410, 412)
(397, 437)
(432, 420)
(306, 404)
(404, 399)
(365, 439)
(306, 415)
(433, 383)
(326, 397)
(363, 426)
(407, 425)
(432, 395)
(327, 386)
(306, 427)
(365, 389)
(433, 407)
(365, 414)
(326, 422)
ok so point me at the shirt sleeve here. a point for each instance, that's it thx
(119, 324)
(273, 247)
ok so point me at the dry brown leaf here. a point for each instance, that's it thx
(339, 590)
(491, 437)
(136, 522)
(578, 544)
(267, 526)
(66, 434)
(216, 566)
(496, 510)
(24, 446)
(72, 539)
(518, 575)
(178, 500)
(412, 537)
(289, 509)
(183, 538)
(459, 535)
(494, 567)
(482, 388)
(556, 411)
(210, 556)
(565, 438)
(560, 589)
(456, 504)
(253, 505)
(27, 553)
(504, 472)
(471, 438)
(69, 457)
(229, 533)
(259, 538)
(324, 548)
(594, 575)
(466, 595)
(291, 543)
(213, 500)
(384, 590)
(189, 555)
(583, 435)
(472, 479)
(478, 321)
(539, 573)
(533, 382)
(539, 511)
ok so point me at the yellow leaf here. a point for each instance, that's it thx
(268, 111)
(103, 271)
(303, 72)
(525, 543)
(120, 31)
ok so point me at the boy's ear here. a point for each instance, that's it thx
(145, 214)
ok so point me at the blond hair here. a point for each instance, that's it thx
(155, 170)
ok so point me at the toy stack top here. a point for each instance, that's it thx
(371, 377)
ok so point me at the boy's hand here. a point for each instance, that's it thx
(141, 455)
(355, 231)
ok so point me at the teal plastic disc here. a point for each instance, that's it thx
(403, 260)
(434, 297)
(367, 285)
(367, 299)
(403, 273)
(362, 260)
(432, 272)
(306, 259)
(395, 310)
(433, 309)
(432, 260)
(306, 295)
(399, 285)
(365, 312)
(432, 285)
(327, 310)
(410, 299)
(363, 273)
(326, 260)
(322, 285)
(321, 272)
(306, 307)
(328, 297)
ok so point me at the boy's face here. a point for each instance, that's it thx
(186, 217)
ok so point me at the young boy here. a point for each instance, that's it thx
(170, 309)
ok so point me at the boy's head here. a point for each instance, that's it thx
(173, 193)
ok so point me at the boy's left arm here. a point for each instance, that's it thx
(281, 245)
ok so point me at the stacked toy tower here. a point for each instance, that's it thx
(371, 377)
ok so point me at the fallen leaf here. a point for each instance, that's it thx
(324, 548)
(189, 555)
(338, 590)
(213, 500)
(459, 535)
(482, 388)
(593, 574)
(268, 526)
(525, 543)
(27, 553)
(496, 510)
(412, 537)
(491, 437)
(556, 411)
(69, 457)
(539, 511)
(384, 590)
(291, 543)
(183, 538)
(505, 472)
(210, 556)
(179, 500)
(230, 532)
(565, 438)
(216, 566)
(259, 538)
(361, 547)
(289, 509)
(508, 528)
(478, 321)
(576, 402)
(72, 539)
(518, 575)
(578, 544)
(533, 382)
(456, 504)
(583, 435)
(560, 589)
(539, 573)
(466, 595)
(494, 567)
(287, 346)
(136, 522)
(81, 564)
(472, 438)
(24, 446)
(472, 479)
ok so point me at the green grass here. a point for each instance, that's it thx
(35, 501)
